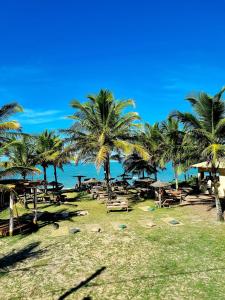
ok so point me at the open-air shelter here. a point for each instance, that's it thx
(206, 167)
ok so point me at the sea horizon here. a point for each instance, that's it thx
(89, 170)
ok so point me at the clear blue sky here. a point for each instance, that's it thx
(155, 52)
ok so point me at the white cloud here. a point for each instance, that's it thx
(34, 117)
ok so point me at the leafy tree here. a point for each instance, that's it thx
(61, 156)
(135, 164)
(21, 155)
(173, 138)
(8, 130)
(152, 140)
(206, 128)
(46, 149)
(101, 128)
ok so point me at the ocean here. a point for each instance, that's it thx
(89, 170)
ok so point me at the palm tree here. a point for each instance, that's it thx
(21, 155)
(173, 138)
(46, 149)
(8, 130)
(135, 164)
(61, 155)
(206, 128)
(8, 127)
(101, 127)
(152, 139)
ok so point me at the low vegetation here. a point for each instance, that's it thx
(161, 262)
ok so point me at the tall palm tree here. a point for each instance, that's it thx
(152, 140)
(46, 149)
(135, 164)
(101, 127)
(8, 130)
(8, 127)
(21, 155)
(61, 156)
(206, 127)
(173, 138)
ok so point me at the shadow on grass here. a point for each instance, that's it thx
(14, 257)
(47, 218)
(82, 284)
(168, 275)
(44, 218)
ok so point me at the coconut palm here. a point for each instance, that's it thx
(46, 149)
(8, 130)
(8, 127)
(21, 155)
(173, 138)
(206, 128)
(135, 164)
(61, 155)
(101, 128)
(152, 140)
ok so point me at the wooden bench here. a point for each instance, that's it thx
(118, 203)
(18, 228)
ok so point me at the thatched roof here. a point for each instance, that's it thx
(208, 165)
(91, 181)
(160, 184)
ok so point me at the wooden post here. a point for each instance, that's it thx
(11, 221)
(160, 198)
(35, 205)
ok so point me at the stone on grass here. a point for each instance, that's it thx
(174, 222)
(122, 226)
(82, 213)
(96, 229)
(55, 225)
(74, 230)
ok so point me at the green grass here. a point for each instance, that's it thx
(162, 262)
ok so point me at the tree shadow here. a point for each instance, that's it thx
(81, 284)
(14, 257)
(48, 218)
(44, 218)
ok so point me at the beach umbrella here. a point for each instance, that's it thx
(90, 181)
(160, 184)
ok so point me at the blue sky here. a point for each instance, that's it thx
(155, 52)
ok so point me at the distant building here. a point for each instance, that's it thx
(205, 166)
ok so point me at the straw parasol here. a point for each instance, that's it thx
(79, 177)
(91, 181)
(160, 184)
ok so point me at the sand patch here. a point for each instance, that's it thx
(147, 223)
(172, 221)
(61, 231)
(117, 225)
(94, 228)
(145, 208)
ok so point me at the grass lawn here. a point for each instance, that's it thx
(184, 261)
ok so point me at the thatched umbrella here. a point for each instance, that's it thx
(91, 181)
(160, 184)
(79, 177)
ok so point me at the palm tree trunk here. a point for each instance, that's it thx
(25, 200)
(55, 174)
(11, 217)
(176, 178)
(107, 173)
(24, 175)
(45, 178)
(35, 206)
(219, 211)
